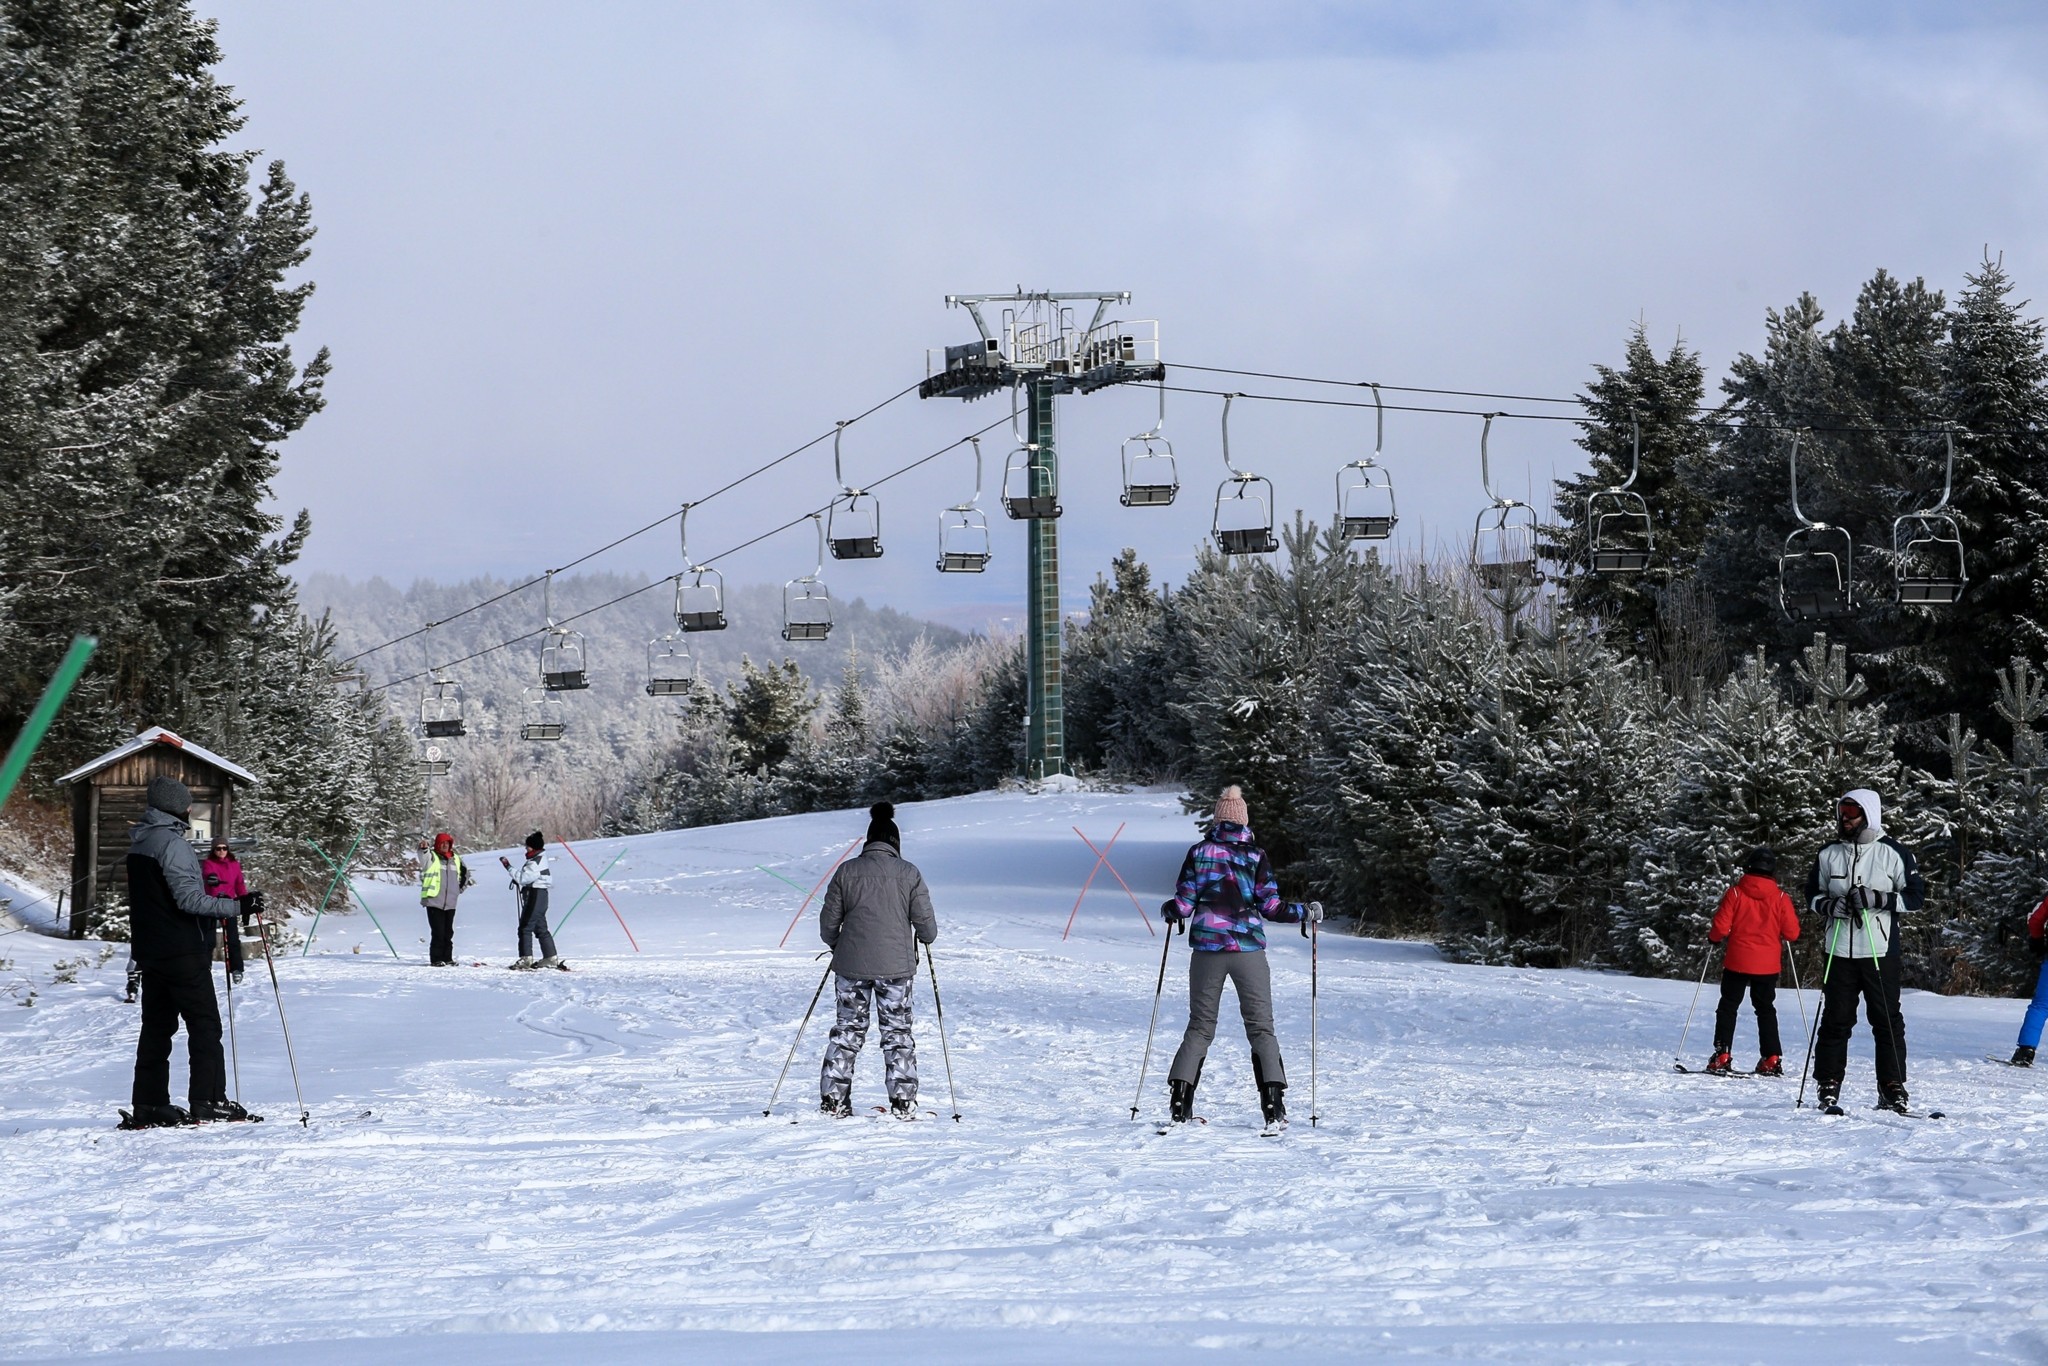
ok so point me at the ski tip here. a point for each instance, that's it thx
(1937, 1114)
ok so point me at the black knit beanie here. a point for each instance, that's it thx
(1762, 859)
(882, 826)
(534, 843)
(169, 795)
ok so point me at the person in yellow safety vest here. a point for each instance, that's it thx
(438, 893)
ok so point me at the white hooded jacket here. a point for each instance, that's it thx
(1872, 862)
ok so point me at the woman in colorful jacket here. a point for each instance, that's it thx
(1226, 893)
(2037, 1012)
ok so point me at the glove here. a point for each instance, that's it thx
(1169, 911)
(1870, 899)
(1311, 911)
(1833, 907)
(505, 863)
(2039, 945)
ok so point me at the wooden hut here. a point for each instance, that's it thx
(108, 797)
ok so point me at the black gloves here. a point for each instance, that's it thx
(2039, 945)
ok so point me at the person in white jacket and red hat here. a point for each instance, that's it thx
(1861, 883)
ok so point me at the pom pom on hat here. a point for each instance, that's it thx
(535, 842)
(882, 826)
(1230, 806)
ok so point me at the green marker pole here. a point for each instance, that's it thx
(591, 888)
(330, 891)
(354, 893)
(38, 723)
(780, 878)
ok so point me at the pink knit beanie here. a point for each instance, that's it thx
(1230, 806)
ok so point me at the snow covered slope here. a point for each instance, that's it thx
(575, 1166)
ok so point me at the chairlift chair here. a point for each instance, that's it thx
(1816, 567)
(1240, 501)
(1503, 558)
(1151, 476)
(1365, 490)
(964, 546)
(441, 709)
(1031, 492)
(433, 763)
(806, 604)
(1928, 567)
(544, 716)
(561, 650)
(853, 520)
(1026, 497)
(1619, 535)
(671, 672)
(700, 603)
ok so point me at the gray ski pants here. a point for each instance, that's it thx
(1254, 980)
(891, 997)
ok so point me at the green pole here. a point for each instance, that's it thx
(354, 893)
(591, 888)
(330, 890)
(38, 723)
(780, 878)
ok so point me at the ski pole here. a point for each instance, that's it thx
(1705, 959)
(798, 1041)
(263, 932)
(46, 708)
(1314, 998)
(1797, 995)
(944, 1051)
(1158, 990)
(1827, 966)
(234, 1057)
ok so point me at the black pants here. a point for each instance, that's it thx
(1763, 994)
(175, 989)
(441, 926)
(1877, 986)
(231, 932)
(533, 923)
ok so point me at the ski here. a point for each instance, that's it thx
(1703, 1072)
(1902, 1114)
(2008, 1062)
(1169, 1126)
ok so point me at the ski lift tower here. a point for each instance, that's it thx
(1036, 349)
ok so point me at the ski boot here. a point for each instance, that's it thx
(224, 1112)
(1181, 1101)
(1272, 1107)
(836, 1107)
(2023, 1056)
(155, 1117)
(552, 961)
(904, 1107)
(1891, 1095)
(1721, 1064)
(1772, 1066)
(1828, 1094)
(525, 965)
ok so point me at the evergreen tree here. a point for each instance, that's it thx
(766, 711)
(1659, 399)
(146, 376)
(2008, 876)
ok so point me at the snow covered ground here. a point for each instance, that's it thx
(575, 1166)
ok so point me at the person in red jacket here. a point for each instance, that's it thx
(1756, 919)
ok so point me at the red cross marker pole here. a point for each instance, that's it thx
(1101, 862)
(601, 892)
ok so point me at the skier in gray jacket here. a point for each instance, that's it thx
(876, 913)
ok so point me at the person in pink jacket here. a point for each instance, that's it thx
(222, 874)
(1755, 920)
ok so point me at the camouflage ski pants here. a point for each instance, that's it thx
(891, 997)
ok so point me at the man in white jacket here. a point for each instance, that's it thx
(1860, 884)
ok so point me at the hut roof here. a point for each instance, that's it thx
(157, 735)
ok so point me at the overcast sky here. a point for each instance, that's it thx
(579, 262)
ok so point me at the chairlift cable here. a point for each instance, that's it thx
(796, 521)
(635, 534)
